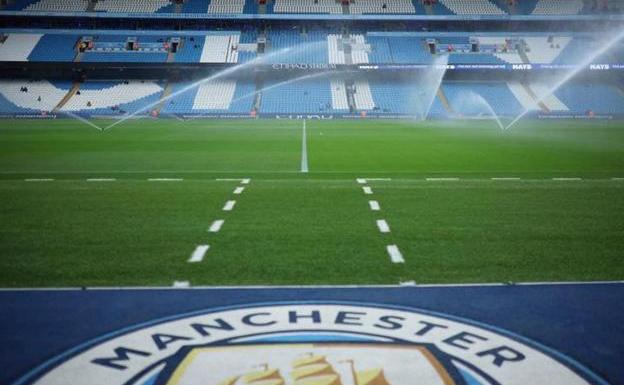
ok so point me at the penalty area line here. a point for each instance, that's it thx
(165, 179)
(395, 254)
(216, 226)
(199, 253)
(39, 180)
(304, 150)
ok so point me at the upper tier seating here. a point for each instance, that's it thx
(220, 49)
(55, 48)
(59, 6)
(39, 95)
(127, 6)
(292, 47)
(382, 7)
(472, 7)
(307, 6)
(114, 97)
(558, 7)
(226, 6)
(18, 46)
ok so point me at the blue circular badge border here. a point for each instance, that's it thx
(53, 362)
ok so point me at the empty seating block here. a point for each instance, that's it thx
(59, 6)
(226, 6)
(382, 6)
(475, 98)
(306, 96)
(220, 49)
(214, 95)
(55, 48)
(108, 98)
(40, 96)
(599, 98)
(307, 6)
(558, 7)
(339, 95)
(362, 96)
(289, 46)
(18, 46)
(136, 6)
(472, 7)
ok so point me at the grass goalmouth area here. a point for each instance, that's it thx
(463, 202)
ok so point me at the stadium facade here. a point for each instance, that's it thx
(313, 58)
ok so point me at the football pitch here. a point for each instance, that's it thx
(152, 202)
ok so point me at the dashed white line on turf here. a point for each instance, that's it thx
(617, 178)
(361, 181)
(395, 254)
(442, 179)
(374, 205)
(245, 181)
(199, 253)
(566, 179)
(383, 226)
(165, 179)
(101, 180)
(181, 284)
(367, 190)
(504, 179)
(239, 190)
(39, 180)
(216, 226)
(229, 205)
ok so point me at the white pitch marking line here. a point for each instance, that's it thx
(566, 179)
(503, 179)
(198, 254)
(407, 283)
(245, 181)
(101, 180)
(367, 190)
(380, 179)
(181, 284)
(239, 190)
(227, 180)
(361, 181)
(395, 254)
(304, 150)
(229, 205)
(442, 179)
(374, 205)
(383, 226)
(165, 179)
(39, 180)
(216, 226)
(617, 178)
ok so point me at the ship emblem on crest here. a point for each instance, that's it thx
(310, 364)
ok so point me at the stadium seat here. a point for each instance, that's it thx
(110, 98)
(472, 7)
(18, 46)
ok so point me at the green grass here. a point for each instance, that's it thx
(315, 228)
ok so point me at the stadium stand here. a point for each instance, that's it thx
(379, 8)
(111, 98)
(58, 6)
(597, 98)
(472, 7)
(339, 95)
(190, 101)
(306, 96)
(220, 49)
(307, 6)
(54, 48)
(558, 7)
(31, 96)
(18, 47)
(125, 6)
(362, 96)
(226, 6)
